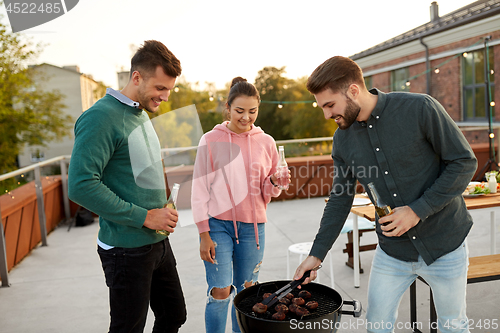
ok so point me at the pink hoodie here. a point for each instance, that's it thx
(231, 178)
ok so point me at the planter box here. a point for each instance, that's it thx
(20, 217)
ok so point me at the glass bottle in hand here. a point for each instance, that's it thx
(380, 207)
(282, 170)
(171, 203)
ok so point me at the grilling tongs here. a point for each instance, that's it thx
(275, 297)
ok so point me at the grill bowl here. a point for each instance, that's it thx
(323, 319)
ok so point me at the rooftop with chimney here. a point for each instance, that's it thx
(473, 12)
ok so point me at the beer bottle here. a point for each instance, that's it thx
(381, 208)
(282, 170)
(171, 203)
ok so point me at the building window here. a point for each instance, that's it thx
(368, 82)
(399, 79)
(37, 156)
(474, 86)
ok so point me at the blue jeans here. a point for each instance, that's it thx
(390, 277)
(234, 265)
(141, 277)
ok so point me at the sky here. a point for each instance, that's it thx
(217, 40)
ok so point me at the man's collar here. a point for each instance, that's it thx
(122, 98)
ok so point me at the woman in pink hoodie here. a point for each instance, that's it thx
(233, 181)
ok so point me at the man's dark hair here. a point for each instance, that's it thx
(336, 73)
(153, 54)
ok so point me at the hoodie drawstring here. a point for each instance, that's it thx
(233, 205)
(255, 227)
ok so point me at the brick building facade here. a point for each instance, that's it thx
(445, 58)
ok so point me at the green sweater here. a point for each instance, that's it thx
(116, 171)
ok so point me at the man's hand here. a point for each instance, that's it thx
(401, 220)
(207, 247)
(309, 263)
(162, 219)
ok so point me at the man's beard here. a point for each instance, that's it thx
(145, 101)
(351, 113)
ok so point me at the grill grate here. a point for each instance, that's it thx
(326, 304)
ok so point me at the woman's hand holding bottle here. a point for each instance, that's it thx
(282, 175)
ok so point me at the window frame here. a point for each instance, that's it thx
(472, 88)
(400, 85)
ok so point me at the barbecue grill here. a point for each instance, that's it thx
(322, 319)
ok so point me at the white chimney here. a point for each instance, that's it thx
(434, 11)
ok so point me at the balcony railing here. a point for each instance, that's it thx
(25, 212)
(311, 177)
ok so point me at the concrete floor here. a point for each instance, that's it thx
(60, 288)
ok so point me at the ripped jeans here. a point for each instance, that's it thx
(234, 265)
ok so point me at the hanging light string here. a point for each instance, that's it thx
(408, 81)
(436, 68)
(282, 103)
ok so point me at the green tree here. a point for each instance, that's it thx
(294, 119)
(100, 91)
(207, 106)
(28, 116)
(273, 87)
(306, 120)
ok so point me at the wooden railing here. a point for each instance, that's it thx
(24, 224)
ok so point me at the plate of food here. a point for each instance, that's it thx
(473, 195)
(476, 189)
(361, 202)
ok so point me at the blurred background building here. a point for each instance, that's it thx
(80, 92)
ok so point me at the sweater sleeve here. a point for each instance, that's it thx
(95, 144)
(202, 180)
(267, 188)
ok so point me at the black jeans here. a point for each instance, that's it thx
(138, 277)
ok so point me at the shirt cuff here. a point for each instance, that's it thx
(203, 226)
(421, 208)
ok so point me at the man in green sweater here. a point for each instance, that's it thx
(116, 172)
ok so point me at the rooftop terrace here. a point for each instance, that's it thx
(60, 287)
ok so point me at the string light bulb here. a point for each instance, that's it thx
(464, 54)
(315, 104)
(492, 103)
(280, 105)
(176, 89)
(436, 71)
(408, 83)
(211, 98)
(492, 135)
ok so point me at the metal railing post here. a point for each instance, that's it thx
(4, 272)
(41, 206)
(64, 180)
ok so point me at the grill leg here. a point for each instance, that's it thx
(413, 306)
(433, 315)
